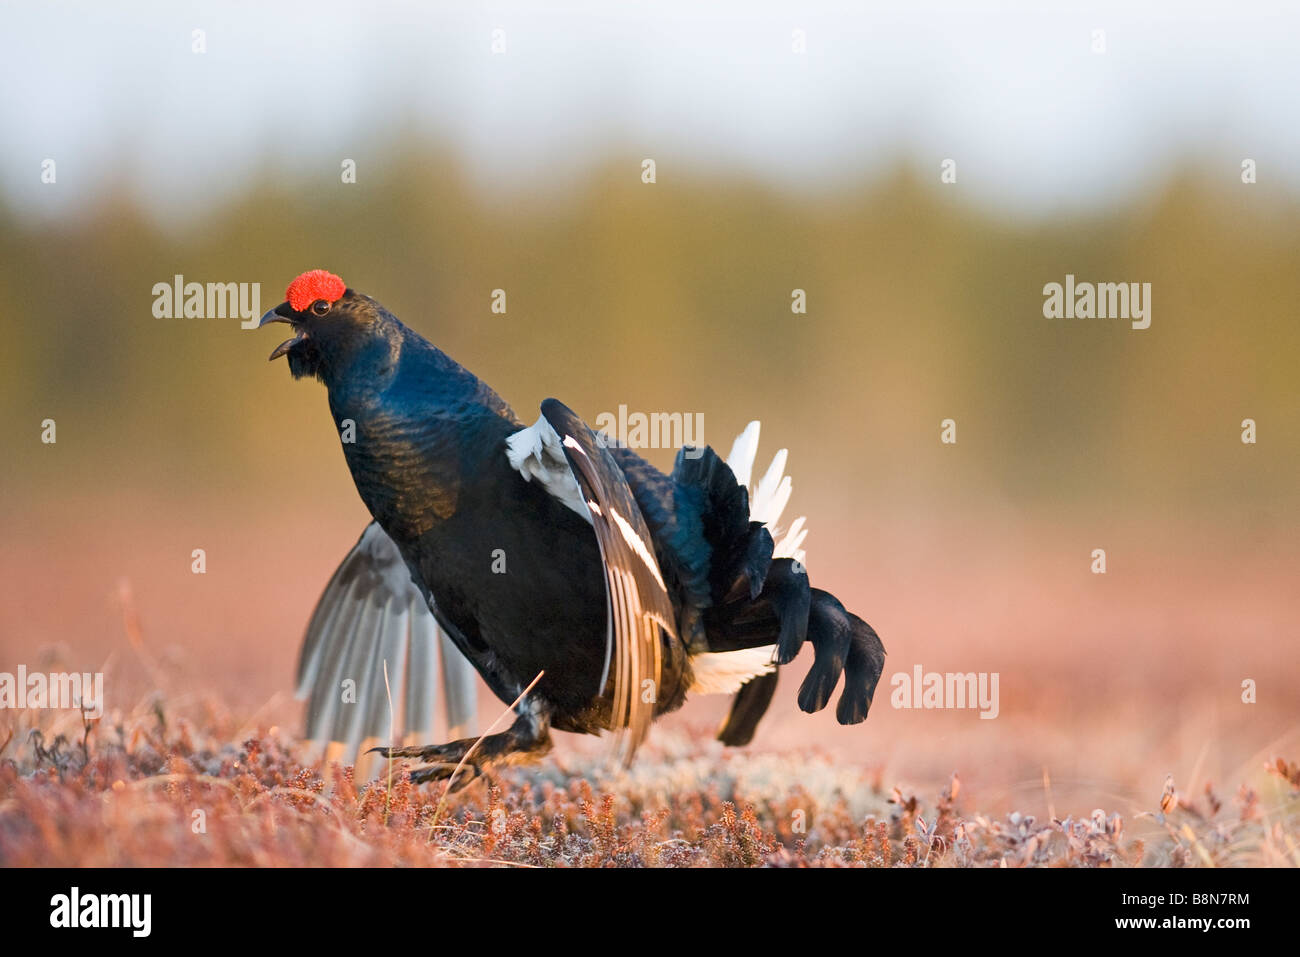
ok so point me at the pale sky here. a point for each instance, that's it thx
(1012, 91)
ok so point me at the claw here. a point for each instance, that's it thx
(399, 752)
(469, 772)
(526, 739)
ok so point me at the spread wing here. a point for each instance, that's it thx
(562, 453)
(371, 613)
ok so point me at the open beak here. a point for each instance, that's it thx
(281, 313)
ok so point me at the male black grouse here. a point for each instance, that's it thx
(545, 549)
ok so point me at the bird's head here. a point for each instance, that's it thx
(334, 327)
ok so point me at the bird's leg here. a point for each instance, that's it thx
(526, 740)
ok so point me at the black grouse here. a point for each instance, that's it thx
(541, 550)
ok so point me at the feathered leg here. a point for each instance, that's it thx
(526, 740)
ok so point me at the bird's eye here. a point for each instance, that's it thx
(320, 307)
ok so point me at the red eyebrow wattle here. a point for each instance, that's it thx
(313, 285)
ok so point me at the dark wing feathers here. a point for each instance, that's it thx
(640, 618)
(370, 615)
(674, 514)
(688, 536)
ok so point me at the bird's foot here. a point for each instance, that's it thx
(469, 772)
(438, 762)
(526, 740)
(449, 753)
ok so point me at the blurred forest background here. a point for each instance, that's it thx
(924, 303)
(175, 434)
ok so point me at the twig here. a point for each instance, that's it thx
(437, 811)
(388, 793)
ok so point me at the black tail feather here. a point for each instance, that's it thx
(862, 671)
(758, 600)
(831, 635)
(757, 561)
(788, 592)
(779, 615)
(788, 610)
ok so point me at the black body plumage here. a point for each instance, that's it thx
(521, 580)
